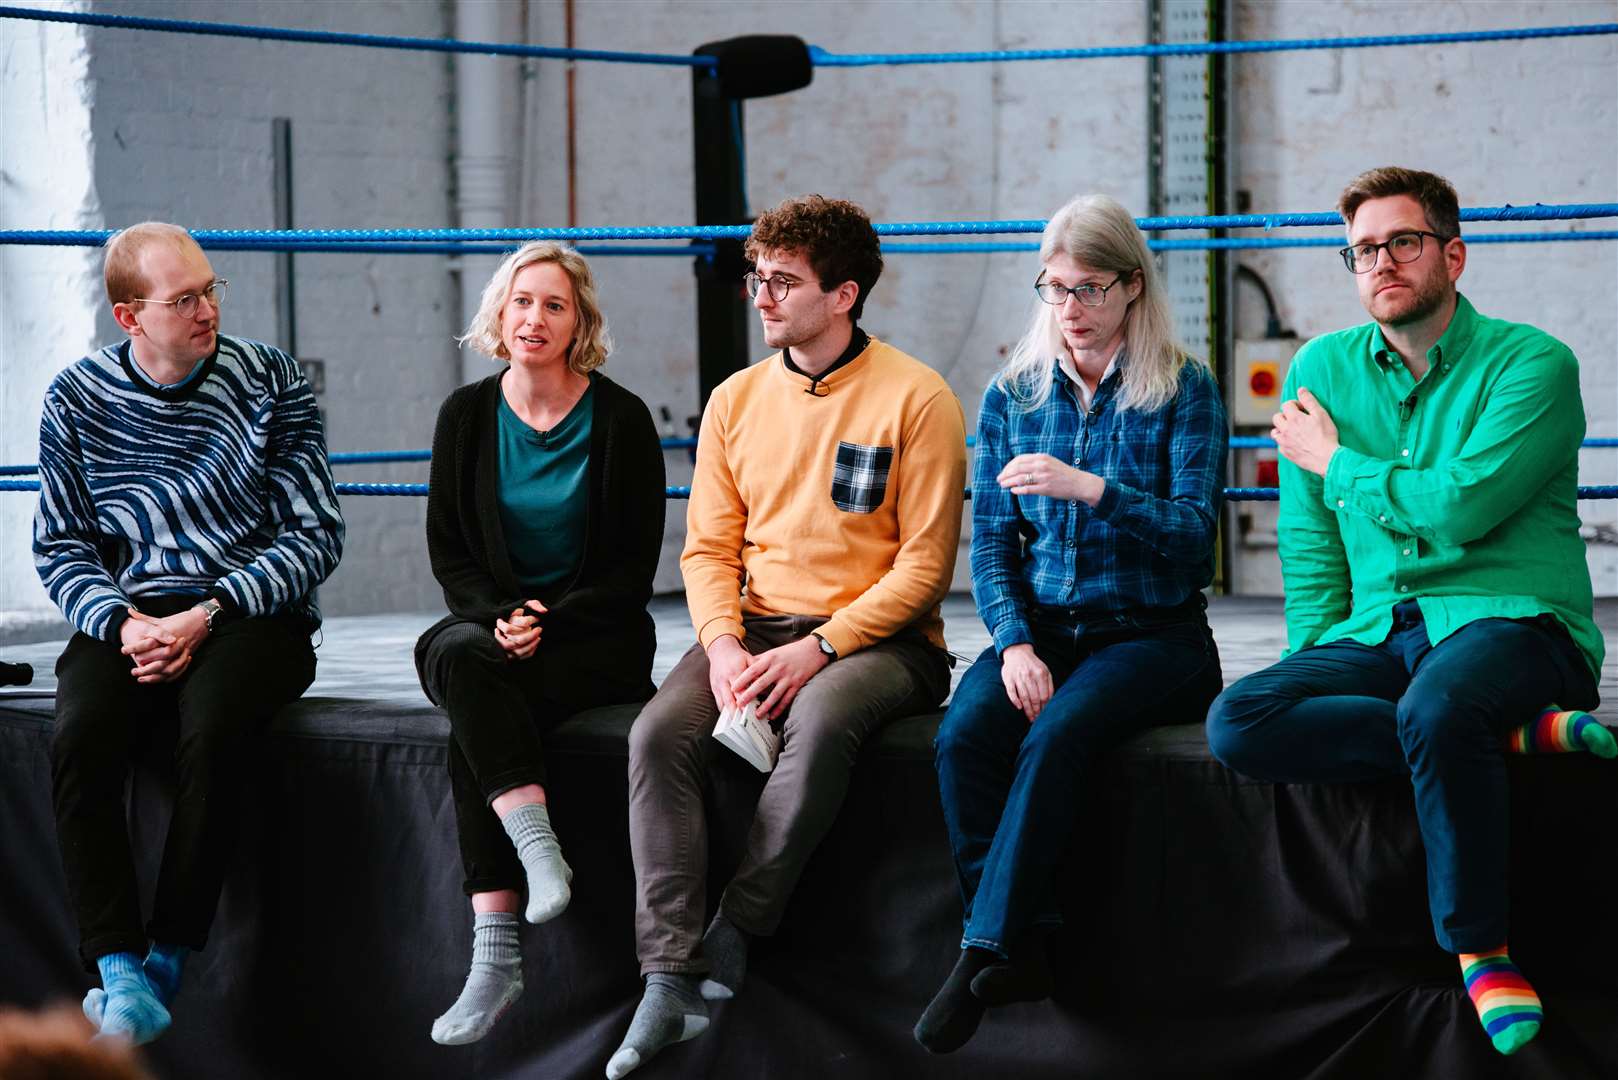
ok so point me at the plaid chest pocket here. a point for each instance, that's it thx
(860, 480)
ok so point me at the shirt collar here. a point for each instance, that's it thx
(1065, 362)
(1447, 350)
(167, 391)
(819, 385)
(857, 341)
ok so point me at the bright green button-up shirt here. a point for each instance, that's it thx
(1458, 491)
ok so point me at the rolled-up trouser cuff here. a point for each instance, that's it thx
(95, 948)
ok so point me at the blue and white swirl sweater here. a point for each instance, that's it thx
(217, 487)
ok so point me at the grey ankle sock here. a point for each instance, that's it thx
(671, 1011)
(725, 949)
(549, 875)
(494, 983)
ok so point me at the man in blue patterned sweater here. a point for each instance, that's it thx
(186, 515)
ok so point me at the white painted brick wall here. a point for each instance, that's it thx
(908, 143)
(181, 130)
(1510, 122)
(47, 295)
(191, 117)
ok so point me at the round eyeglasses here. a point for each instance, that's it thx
(1403, 248)
(1056, 294)
(186, 306)
(778, 286)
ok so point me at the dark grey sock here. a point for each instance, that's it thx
(493, 984)
(725, 949)
(954, 1014)
(670, 1011)
(1025, 977)
(549, 876)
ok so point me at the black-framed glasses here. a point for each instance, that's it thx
(1056, 294)
(186, 306)
(1403, 248)
(778, 286)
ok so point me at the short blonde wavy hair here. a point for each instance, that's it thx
(591, 342)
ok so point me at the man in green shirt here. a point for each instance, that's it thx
(1437, 596)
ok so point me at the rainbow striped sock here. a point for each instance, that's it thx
(1555, 731)
(1507, 1005)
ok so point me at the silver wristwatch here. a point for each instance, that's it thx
(210, 611)
(825, 646)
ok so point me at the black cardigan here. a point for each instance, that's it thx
(597, 624)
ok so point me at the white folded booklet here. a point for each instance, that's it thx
(751, 739)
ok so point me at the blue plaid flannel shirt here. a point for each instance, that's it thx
(1148, 543)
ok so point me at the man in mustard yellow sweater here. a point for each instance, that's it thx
(822, 531)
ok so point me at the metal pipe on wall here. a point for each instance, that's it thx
(486, 91)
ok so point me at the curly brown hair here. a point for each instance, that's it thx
(1436, 195)
(835, 236)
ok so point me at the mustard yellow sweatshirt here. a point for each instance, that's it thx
(844, 503)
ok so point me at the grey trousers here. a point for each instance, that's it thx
(844, 704)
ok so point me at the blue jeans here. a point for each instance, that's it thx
(1012, 790)
(1345, 712)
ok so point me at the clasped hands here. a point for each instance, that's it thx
(161, 648)
(737, 677)
(518, 633)
(1304, 433)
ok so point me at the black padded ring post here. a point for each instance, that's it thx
(759, 65)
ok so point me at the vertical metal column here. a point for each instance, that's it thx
(1188, 172)
(721, 189)
(286, 291)
(286, 299)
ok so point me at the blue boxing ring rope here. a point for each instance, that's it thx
(817, 56)
(262, 239)
(700, 240)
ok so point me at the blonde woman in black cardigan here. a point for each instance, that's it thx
(544, 525)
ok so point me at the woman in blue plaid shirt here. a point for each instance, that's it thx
(1095, 500)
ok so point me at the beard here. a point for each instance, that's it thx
(1419, 300)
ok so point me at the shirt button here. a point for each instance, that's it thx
(1404, 588)
(1407, 551)
(1382, 517)
(1405, 452)
(1341, 503)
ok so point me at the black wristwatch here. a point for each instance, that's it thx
(825, 646)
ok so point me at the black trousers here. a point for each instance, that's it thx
(498, 709)
(105, 720)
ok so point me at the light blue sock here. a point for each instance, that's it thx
(131, 1008)
(164, 966)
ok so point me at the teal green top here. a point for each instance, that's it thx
(544, 494)
(1459, 491)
